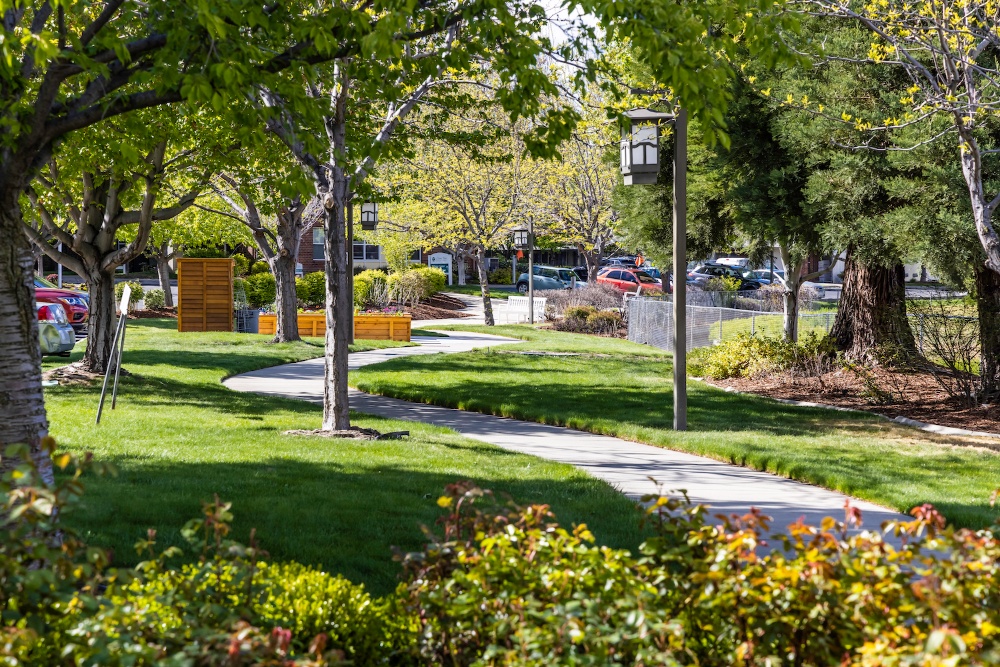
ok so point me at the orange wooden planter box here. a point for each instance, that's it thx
(370, 327)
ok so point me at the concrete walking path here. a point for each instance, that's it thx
(628, 466)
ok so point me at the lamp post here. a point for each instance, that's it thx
(640, 164)
(524, 237)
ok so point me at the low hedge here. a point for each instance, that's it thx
(752, 355)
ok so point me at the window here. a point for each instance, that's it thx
(319, 252)
(628, 277)
(415, 256)
(364, 251)
(614, 275)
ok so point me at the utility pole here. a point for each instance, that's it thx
(680, 270)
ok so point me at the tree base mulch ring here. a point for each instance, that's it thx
(76, 374)
(150, 313)
(914, 394)
(353, 433)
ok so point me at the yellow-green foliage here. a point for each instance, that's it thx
(366, 284)
(749, 355)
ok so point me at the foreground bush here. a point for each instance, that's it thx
(310, 289)
(154, 299)
(261, 289)
(587, 319)
(134, 297)
(600, 296)
(63, 605)
(511, 586)
(371, 289)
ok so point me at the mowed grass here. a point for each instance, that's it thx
(178, 437)
(618, 388)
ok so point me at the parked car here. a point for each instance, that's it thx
(55, 334)
(581, 273)
(625, 260)
(76, 304)
(702, 273)
(628, 280)
(548, 278)
(763, 276)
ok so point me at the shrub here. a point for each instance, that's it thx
(722, 284)
(587, 319)
(598, 295)
(434, 280)
(751, 355)
(705, 589)
(65, 606)
(203, 252)
(310, 289)
(259, 266)
(582, 313)
(241, 265)
(261, 290)
(370, 289)
(155, 299)
(407, 288)
(134, 297)
(605, 322)
(500, 276)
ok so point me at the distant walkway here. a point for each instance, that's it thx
(627, 466)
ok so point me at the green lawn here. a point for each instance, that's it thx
(619, 388)
(178, 436)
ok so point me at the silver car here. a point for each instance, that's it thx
(55, 334)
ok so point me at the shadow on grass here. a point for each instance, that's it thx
(321, 513)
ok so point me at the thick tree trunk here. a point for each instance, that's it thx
(163, 271)
(22, 407)
(101, 325)
(593, 260)
(286, 303)
(988, 307)
(339, 308)
(484, 285)
(871, 325)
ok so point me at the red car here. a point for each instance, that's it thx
(76, 304)
(629, 280)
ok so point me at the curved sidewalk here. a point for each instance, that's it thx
(628, 466)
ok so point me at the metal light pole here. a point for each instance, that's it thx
(350, 265)
(531, 271)
(680, 271)
(640, 164)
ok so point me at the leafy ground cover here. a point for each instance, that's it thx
(619, 388)
(178, 437)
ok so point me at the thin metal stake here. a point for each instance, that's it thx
(118, 365)
(117, 345)
(107, 371)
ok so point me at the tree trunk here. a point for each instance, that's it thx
(484, 285)
(339, 307)
(593, 260)
(101, 324)
(286, 303)
(988, 307)
(460, 266)
(22, 407)
(793, 281)
(871, 325)
(163, 257)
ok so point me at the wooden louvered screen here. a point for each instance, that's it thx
(204, 294)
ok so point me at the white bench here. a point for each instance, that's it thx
(517, 306)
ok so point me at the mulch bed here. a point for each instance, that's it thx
(438, 307)
(151, 313)
(353, 433)
(913, 394)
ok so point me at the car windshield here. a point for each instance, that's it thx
(42, 282)
(748, 274)
(644, 277)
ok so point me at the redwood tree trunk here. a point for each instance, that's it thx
(871, 325)
(101, 324)
(988, 306)
(484, 285)
(163, 271)
(286, 303)
(22, 407)
(339, 308)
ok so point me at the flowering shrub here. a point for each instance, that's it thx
(508, 585)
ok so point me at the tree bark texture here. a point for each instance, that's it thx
(871, 324)
(593, 261)
(22, 406)
(163, 257)
(339, 306)
(793, 282)
(286, 303)
(988, 307)
(101, 324)
(484, 284)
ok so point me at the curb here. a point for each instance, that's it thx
(905, 421)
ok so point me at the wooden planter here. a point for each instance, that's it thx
(370, 327)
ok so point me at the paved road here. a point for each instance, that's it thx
(628, 466)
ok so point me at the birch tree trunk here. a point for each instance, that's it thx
(871, 325)
(339, 306)
(793, 282)
(460, 266)
(982, 207)
(22, 407)
(484, 284)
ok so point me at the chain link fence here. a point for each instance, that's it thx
(650, 321)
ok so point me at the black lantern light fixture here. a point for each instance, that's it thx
(521, 236)
(369, 216)
(640, 163)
